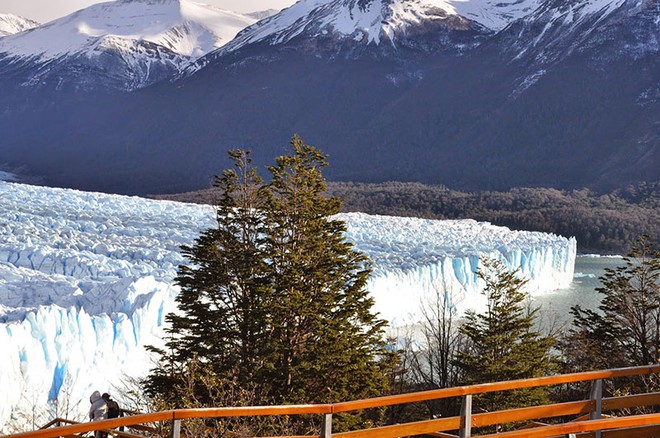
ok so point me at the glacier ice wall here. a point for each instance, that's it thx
(413, 258)
(86, 280)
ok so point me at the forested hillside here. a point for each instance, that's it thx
(603, 223)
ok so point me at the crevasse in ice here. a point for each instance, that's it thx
(86, 280)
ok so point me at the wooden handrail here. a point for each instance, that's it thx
(179, 414)
(502, 417)
(492, 387)
(251, 411)
(420, 427)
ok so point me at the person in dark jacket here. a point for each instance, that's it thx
(98, 411)
(113, 407)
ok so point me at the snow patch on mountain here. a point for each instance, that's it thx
(559, 28)
(86, 280)
(260, 15)
(186, 28)
(495, 14)
(12, 24)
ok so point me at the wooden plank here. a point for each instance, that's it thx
(634, 432)
(531, 413)
(478, 420)
(631, 401)
(582, 426)
(251, 411)
(408, 429)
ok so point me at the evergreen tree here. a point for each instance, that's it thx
(625, 330)
(328, 340)
(224, 292)
(274, 298)
(502, 342)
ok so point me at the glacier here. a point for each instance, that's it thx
(86, 280)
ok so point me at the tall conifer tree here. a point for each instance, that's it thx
(328, 339)
(503, 343)
(625, 330)
(225, 290)
(274, 298)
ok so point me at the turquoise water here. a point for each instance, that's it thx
(582, 291)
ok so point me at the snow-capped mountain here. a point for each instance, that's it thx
(11, 24)
(494, 14)
(86, 280)
(349, 26)
(373, 21)
(127, 43)
(599, 29)
(473, 94)
(599, 34)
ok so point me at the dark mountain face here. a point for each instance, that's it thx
(576, 109)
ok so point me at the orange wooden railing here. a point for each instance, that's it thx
(623, 426)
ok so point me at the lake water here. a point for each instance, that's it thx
(582, 290)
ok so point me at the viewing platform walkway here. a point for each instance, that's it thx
(581, 418)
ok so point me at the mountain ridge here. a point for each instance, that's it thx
(578, 107)
(135, 36)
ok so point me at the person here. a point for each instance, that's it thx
(113, 407)
(98, 411)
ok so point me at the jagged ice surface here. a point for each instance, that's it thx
(86, 280)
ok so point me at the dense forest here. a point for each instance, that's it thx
(603, 223)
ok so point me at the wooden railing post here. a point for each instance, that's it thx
(326, 428)
(465, 430)
(596, 394)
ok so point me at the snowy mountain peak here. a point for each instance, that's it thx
(494, 14)
(184, 27)
(12, 24)
(371, 21)
(143, 41)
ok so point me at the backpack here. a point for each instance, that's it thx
(113, 409)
